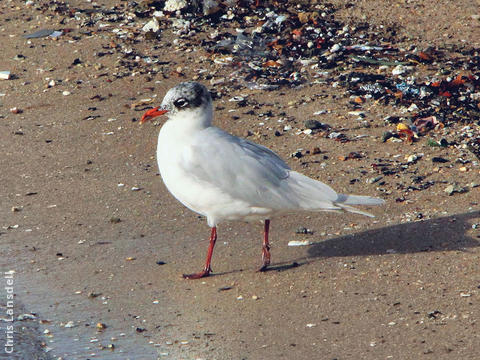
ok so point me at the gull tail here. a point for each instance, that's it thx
(344, 201)
(358, 200)
(317, 196)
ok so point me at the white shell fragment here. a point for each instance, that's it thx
(299, 243)
(4, 75)
(174, 5)
(153, 25)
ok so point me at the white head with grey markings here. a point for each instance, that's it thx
(188, 101)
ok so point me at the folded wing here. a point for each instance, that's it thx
(255, 174)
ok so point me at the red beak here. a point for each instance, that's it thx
(152, 113)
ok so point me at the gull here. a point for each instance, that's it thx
(224, 177)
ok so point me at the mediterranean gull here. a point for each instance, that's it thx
(224, 177)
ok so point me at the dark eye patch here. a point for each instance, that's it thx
(180, 103)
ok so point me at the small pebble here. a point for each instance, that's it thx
(335, 48)
(100, 326)
(16, 110)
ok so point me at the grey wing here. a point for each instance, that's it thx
(247, 171)
(255, 174)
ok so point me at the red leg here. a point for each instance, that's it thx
(207, 269)
(265, 247)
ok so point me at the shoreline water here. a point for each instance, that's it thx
(46, 324)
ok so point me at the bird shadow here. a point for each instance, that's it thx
(447, 233)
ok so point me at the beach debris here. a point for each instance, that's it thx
(100, 326)
(455, 188)
(175, 5)
(152, 26)
(16, 110)
(43, 33)
(299, 243)
(303, 230)
(316, 125)
(23, 317)
(405, 132)
(439, 159)
(5, 75)
(140, 103)
(423, 125)
(210, 7)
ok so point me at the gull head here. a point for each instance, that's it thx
(188, 99)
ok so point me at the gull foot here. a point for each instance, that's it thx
(263, 268)
(198, 275)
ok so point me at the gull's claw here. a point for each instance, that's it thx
(199, 275)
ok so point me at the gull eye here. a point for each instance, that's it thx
(180, 103)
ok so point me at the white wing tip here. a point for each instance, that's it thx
(359, 200)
